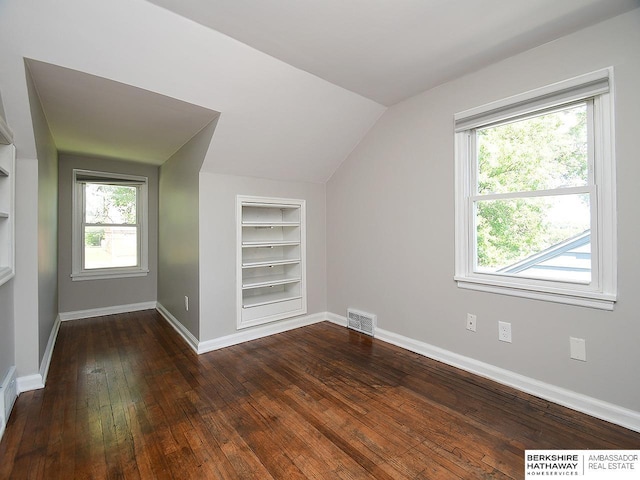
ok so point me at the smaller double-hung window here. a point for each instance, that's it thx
(109, 225)
(535, 194)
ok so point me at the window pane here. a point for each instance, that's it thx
(539, 237)
(107, 247)
(110, 204)
(540, 153)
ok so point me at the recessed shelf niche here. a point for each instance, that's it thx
(7, 195)
(271, 283)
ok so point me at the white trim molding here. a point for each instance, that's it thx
(99, 312)
(576, 401)
(37, 381)
(188, 337)
(259, 332)
(48, 353)
(598, 290)
(8, 385)
(27, 383)
(244, 335)
(80, 180)
(337, 319)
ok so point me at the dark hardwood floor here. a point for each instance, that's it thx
(126, 398)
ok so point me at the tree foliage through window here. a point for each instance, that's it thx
(530, 155)
(111, 204)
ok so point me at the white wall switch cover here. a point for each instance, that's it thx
(578, 349)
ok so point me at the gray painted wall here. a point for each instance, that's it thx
(178, 256)
(25, 286)
(47, 221)
(390, 232)
(90, 294)
(218, 245)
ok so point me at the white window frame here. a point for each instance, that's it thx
(601, 293)
(78, 272)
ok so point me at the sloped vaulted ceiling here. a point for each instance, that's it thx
(276, 121)
(294, 99)
(391, 50)
(92, 115)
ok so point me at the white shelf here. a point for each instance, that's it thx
(268, 281)
(270, 224)
(270, 259)
(7, 205)
(268, 299)
(278, 206)
(278, 243)
(269, 262)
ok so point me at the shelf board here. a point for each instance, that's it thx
(268, 262)
(4, 215)
(270, 224)
(267, 299)
(274, 243)
(3, 172)
(268, 281)
(281, 206)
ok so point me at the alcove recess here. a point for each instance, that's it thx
(7, 195)
(271, 258)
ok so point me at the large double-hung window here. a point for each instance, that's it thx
(535, 194)
(110, 225)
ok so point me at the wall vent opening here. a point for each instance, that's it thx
(361, 321)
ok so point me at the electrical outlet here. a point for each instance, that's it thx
(471, 322)
(504, 332)
(578, 349)
(186, 303)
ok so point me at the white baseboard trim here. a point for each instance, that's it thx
(48, 353)
(576, 401)
(99, 312)
(191, 340)
(8, 395)
(27, 383)
(36, 381)
(260, 332)
(337, 319)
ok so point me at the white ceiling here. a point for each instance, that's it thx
(274, 124)
(92, 115)
(389, 50)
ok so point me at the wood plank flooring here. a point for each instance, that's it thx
(126, 398)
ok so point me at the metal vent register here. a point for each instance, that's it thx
(361, 321)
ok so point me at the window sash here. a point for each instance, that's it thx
(83, 185)
(81, 179)
(561, 93)
(595, 89)
(473, 230)
(85, 268)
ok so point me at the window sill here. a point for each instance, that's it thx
(557, 295)
(103, 275)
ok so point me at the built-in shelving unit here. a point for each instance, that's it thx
(7, 195)
(271, 283)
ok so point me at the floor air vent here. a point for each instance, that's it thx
(361, 321)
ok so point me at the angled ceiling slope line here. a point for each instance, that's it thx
(95, 116)
(390, 51)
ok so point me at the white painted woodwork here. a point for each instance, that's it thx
(270, 259)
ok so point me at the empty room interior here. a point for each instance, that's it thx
(281, 239)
